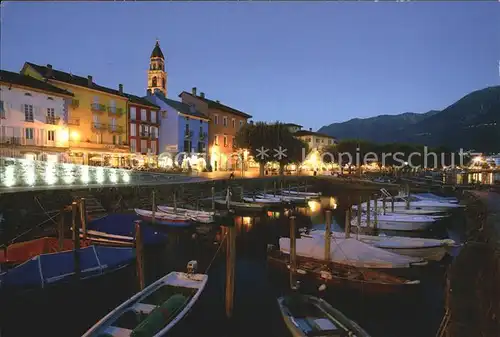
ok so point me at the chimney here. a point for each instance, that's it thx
(148, 92)
(310, 129)
(90, 80)
(193, 91)
(49, 71)
(120, 88)
(202, 94)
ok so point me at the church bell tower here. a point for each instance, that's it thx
(157, 77)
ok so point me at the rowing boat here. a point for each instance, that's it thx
(166, 219)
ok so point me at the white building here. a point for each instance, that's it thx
(33, 117)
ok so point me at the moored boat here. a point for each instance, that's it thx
(154, 311)
(304, 194)
(197, 216)
(284, 198)
(400, 222)
(264, 201)
(160, 218)
(429, 249)
(306, 315)
(244, 206)
(433, 196)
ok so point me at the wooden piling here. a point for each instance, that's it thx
(274, 188)
(76, 238)
(83, 217)
(175, 201)
(328, 234)
(359, 213)
(230, 267)
(347, 226)
(139, 254)
(368, 212)
(213, 197)
(60, 229)
(383, 204)
(153, 205)
(375, 212)
(392, 204)
(293, 253)
(407, 196)
(242, 192)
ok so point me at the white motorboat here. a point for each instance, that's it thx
(432, 196)
(349, 252)
(416, 206)
(155, 310)
(399, 222)
(429, 249)
(301, 194)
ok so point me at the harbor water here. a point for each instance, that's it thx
(71, 311)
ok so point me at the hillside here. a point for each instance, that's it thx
(473, 122)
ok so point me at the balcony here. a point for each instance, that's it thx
(74, 121)
(8, 140)
(188, 134)
(114, 111)
(96, 107)
(52, 120)
(98, 126)
(145, 134)
(203, 136)
(115, 128)
(98, 146)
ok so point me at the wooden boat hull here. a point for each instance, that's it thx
(341, 277)
(140, 304)
(315, 317)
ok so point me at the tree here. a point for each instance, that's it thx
(271, 142)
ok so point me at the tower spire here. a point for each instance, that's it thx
(157, 77)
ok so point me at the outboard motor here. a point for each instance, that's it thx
(192, 266)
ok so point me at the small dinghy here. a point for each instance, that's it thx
(429, 249)
(174, 220)
(154, 311)
(196, 216)
(302, 194)
(237, 205)
(306, 316)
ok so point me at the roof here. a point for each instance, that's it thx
(183, 108)
(140, 100)
(157, 51)
(31, 82)
(301, 133)
(71, 79)
(292, 124)
(217, 105)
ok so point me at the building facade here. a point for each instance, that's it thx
(143, 128)
(97, 119)
(315, 140)
(32, 118)
(223, 127)
(183, 129)
(293, 127)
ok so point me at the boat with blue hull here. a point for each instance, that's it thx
(45, 270)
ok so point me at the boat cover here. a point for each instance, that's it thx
(23, 251)
(349, 251)
(46, 269)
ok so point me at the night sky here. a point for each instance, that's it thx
(307, 63)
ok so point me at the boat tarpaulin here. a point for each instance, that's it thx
(45, 269)
(349, 251)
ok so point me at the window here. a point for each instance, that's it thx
(153, 147)
(51, 135)
(113, 124)
(132, 130)
(143, 115)
(154, 81)
(330, 141)
(50, 112)
(317, 140)
(187, 146)
(216, 119)
(2, 110)
(144, 131)
(95, 119)
(216, 140)
(234, 123)
(153, 116)
(224, 121)
(29, 133)
(144, 146)
(133, 146)
(163, 85)
(133, 113)
(50, 98)
(241, 124)
(201, 130)
(28, 112)
(225, 141)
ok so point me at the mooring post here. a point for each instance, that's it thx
(60, 229)
(383, 203)
(305, 183)
(228, 198)
(213, 198)
(76, 238)
(358, 225)
(392, 204)
(175, 201)
(293, 253)
(274, 188)
(230, 267)
(347, 226)
(153, 205)
(139, 254)
(242, 192)
(328, 234)
(368, 211)
(83, 217)
(407, 196)
(375, 212)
